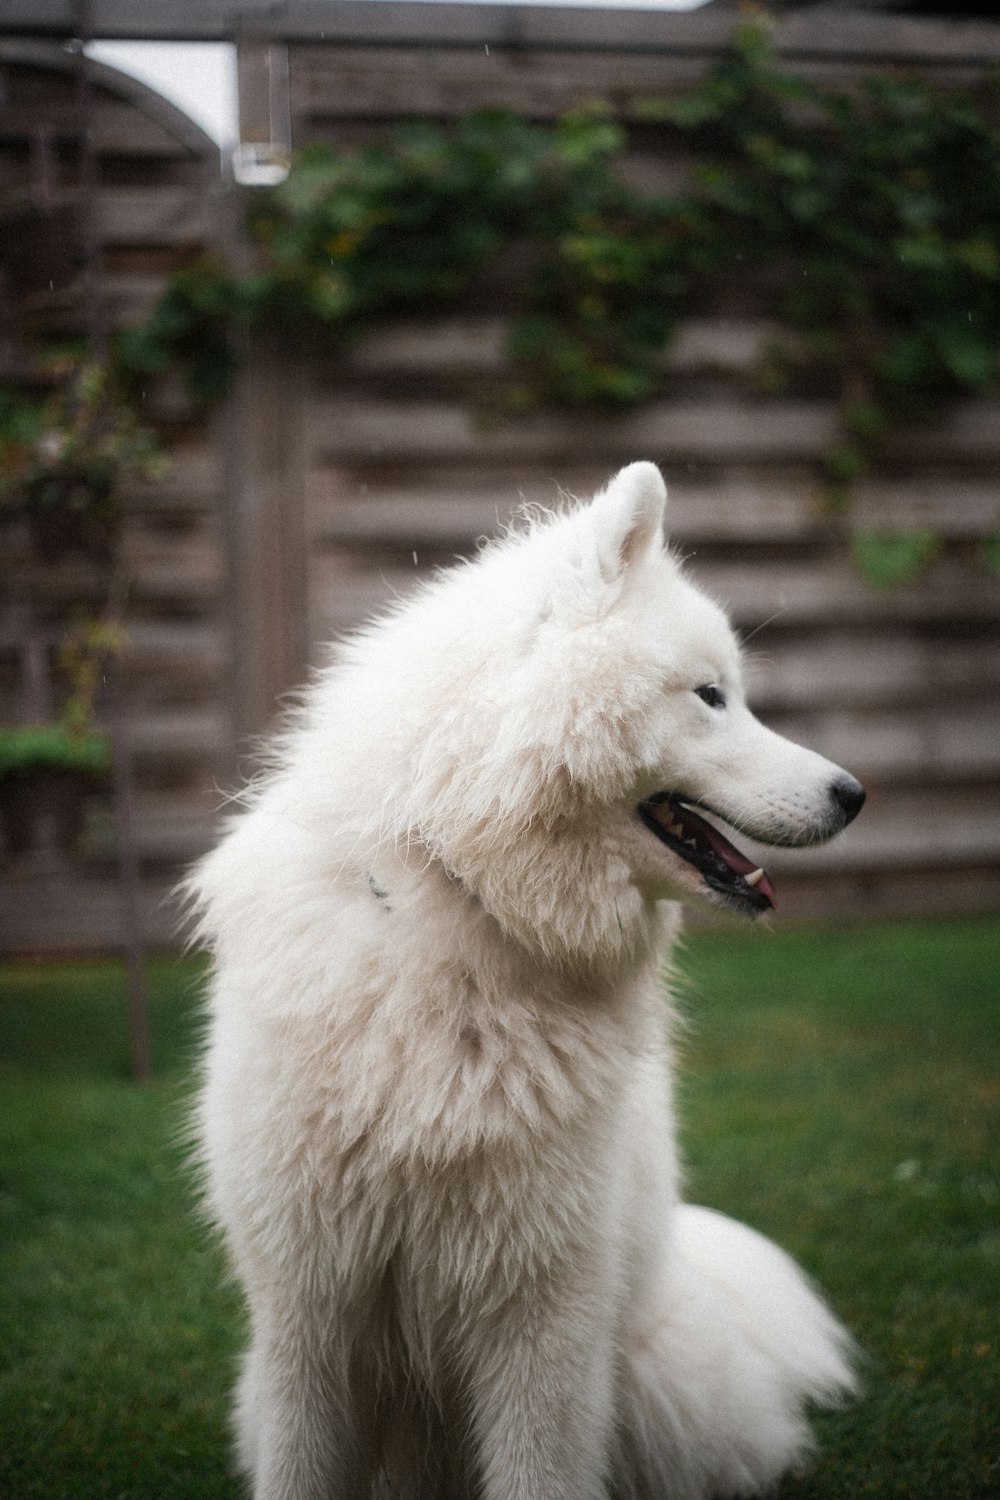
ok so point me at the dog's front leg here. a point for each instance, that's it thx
(307, 1430)
(543, 1397)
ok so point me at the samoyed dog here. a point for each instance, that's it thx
(435, 1119)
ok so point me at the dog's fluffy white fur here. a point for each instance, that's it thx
(435, 1120)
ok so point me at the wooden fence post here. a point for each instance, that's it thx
(266, 524)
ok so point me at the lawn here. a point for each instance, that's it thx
(840, 1091)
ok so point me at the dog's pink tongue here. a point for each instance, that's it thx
(755, 877)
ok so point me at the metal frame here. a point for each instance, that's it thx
(813, 31)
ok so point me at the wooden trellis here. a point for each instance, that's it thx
(329, 484)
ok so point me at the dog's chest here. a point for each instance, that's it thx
(465, 1127)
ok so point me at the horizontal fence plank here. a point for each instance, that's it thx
(968, 430)
(931, 743)
(176, 830)
(723, 430)
(949, 504)
(478, 344)
(351, 83)
(364, 82)
(181, 566)
(153, 216)
(777, 430)
(429, 346)
(177, 733)
(173, 663)
(78, 593)
(153, 643)
(412, 520)
(902, 828)
(730, 505)
(163, 661)
(80, 911)
(191, 482)
(880, 668)
(826, 591)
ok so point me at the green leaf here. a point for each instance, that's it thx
(583, 138)
(691, 110)
(50, 747)
(970, 357)
(890, 558)
(866, 420)
(845, 462)
(908, 360)
(990, 551)
(980, 254)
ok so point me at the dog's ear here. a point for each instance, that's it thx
(628, 518)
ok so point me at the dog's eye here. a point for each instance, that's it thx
(712, 695)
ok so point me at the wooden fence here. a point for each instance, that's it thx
(159, 203)
(400, 472)
(332, 484)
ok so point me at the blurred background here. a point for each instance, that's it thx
(287, 321)
(204, 482)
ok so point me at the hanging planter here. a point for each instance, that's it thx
(49, 772)
(65, 457)
(47, 776)
(72, 509)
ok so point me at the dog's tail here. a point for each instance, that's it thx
(717, 1385)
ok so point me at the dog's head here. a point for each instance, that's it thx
(584, 730)
(708, 759)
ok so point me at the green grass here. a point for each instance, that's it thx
(116, 1330)
(842, 1094)
(840, 1091)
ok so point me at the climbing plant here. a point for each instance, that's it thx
(869, 220)
(65, 450)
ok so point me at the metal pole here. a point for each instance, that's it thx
(137, 999)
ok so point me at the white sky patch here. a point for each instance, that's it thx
(594, 4)
(198, 77)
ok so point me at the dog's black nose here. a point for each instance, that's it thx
(849, 795)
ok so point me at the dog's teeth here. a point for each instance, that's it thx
(754, 878)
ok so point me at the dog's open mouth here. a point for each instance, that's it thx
(720, 864)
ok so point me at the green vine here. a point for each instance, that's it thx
(868, 223)
(65, 450)
(67, 443)
(73, 741)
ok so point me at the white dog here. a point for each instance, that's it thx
(436, 1119)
